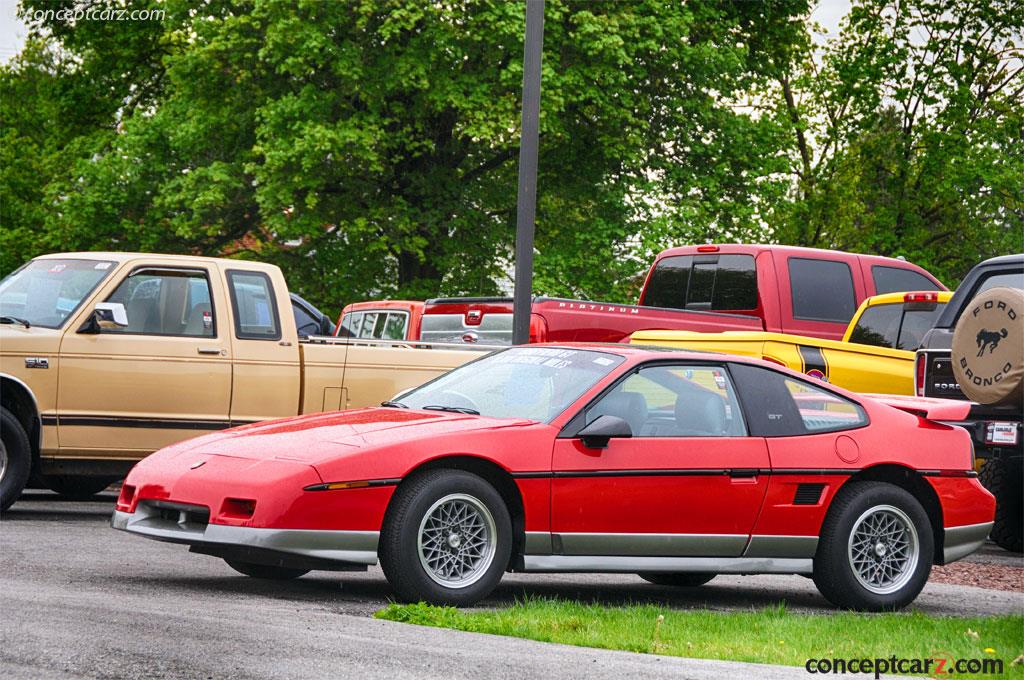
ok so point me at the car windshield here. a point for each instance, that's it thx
(536, 383)
(46, 292)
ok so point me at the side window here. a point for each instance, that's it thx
(674, 401)
(1002, 280)
(305, 322)
(703, 282)
(896, 280)
(166, 302)
(394, 328)
(822, 290)
(878, 326)
(253, 306)
(779, 406)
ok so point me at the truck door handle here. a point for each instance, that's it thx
(209, 350)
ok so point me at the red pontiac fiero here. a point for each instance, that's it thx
(677, 466)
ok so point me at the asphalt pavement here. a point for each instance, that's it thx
(78, 599)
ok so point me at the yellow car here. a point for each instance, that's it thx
(876, 355)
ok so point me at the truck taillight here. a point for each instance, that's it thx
(921, 297)
(707, 249)
(538, 328)
(919, 365)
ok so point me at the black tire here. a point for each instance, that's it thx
(265, 571)
(77, 488)
(834, 573)
(1002, 477)
(399, 541)
(683, 579)
(16, 457)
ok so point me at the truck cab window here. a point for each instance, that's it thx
(254, 306)
(166, 302)
(822, 290)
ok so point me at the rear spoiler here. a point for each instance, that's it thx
(947, 410)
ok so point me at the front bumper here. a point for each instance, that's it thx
(345, 547)
(961, 541)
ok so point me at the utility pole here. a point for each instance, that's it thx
(526, 209)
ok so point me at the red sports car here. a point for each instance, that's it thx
(585, 458)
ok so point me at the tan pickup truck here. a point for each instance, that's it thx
(106, 357)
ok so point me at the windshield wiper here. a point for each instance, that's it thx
(451, 409)
(15, 319)
(393, 404)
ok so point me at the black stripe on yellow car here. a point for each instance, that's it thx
(813, 362)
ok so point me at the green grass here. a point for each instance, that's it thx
(771, 635)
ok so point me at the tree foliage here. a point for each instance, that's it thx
(370, 147)
(908, 134)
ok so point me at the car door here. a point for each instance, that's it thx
(126, 391)
(687, 483)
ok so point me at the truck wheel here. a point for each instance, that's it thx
(875, 549)
(447, 538)
(1002, 477)
(681, 579)
(77, 488)
(265, 571)
(15, 458)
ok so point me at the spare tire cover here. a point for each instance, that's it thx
(988, 347)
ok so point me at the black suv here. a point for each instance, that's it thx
(996, 430)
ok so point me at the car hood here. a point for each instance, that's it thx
(322, 436)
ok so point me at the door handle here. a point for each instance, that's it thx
(209, 350)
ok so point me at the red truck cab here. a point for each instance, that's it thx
(709, 288)
(381, 320)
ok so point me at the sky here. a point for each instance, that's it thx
(13, 32)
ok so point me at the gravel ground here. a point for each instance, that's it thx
(991, 567)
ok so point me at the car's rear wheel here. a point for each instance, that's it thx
(265, 571)
(875, 550)
(446, 539)
(684, 579)
(15, 458)
(76, 487)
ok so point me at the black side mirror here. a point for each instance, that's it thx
(597, 434)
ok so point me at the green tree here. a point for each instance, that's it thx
(370, 148)
(907, 134)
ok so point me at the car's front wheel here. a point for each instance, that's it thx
(265, 571)
(446, 539)
(683, 579)
(875, 549)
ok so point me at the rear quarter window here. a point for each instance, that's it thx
(777, 405)
(897, 280)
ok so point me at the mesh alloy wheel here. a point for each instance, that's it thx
(456, 540)
(883, 549)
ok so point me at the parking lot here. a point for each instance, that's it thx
(80, 599)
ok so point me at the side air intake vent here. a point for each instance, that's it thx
(808, 494)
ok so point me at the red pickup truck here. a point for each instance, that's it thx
(713, 288)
